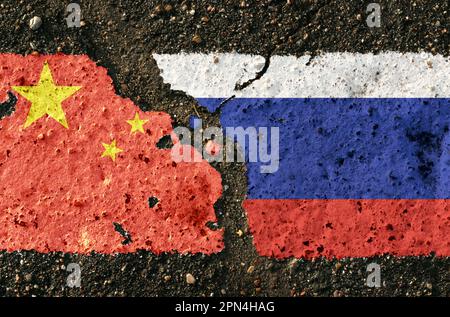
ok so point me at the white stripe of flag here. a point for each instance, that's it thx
(331, 75)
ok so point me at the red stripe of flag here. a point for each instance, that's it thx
(349, 228)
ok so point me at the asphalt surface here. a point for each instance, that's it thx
(122, 35)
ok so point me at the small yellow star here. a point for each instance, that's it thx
(111, 150)
(137, 124)
(46, 98)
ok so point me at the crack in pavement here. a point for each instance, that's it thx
(222, 104)
(313, 13)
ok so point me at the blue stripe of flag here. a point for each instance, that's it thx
(350, 148)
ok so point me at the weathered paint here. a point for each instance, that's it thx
(363, 137)
(349, 228)
(330, 75)
(59, 194)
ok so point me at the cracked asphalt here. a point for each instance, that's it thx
(121, 36)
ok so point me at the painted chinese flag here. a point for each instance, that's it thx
(80, 169)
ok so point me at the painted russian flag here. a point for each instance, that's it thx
(364, 148)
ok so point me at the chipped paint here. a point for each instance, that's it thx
(59, 194)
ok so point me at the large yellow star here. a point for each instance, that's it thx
(46, 98)
(137, 124)
(111, 150)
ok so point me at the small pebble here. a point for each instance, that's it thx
(337, 293)
(190, 279)
(292, 264)
(168, 8)
(28, 277)
(35, 23)
(250, 269)
(157, 9)
(196, 39)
